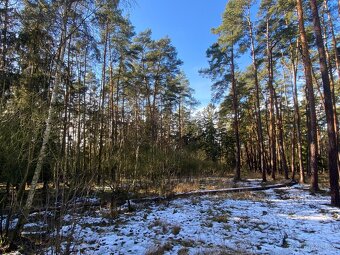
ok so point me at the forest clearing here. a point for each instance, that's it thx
(169, 127)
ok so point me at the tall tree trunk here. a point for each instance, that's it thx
(258, 108)
(84, 114)
(78, 160)
(116, 127)
(329, 63)
(179, 120)
(297, 120)
(268, 151)
(272, 124)
(334, 39)
(337, 64)
(280, 140)
(63, 149)
(292, 155)
(332, 142)
(237, 171)
(102, 106)
(313, 162)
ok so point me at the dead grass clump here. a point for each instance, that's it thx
(183, 251)
(248, 195)
(253, 175)
(220, 218)
(222, 251)
(155, 223)
(176, 229)
(159, 249)
(187, 243)
(163, 225)
(203, 184)
(186, 187)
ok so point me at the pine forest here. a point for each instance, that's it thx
(105, 147)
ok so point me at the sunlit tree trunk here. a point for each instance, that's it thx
(337, 64)
(272, 124)
(258, 107)
(281, 140)
(332, 142)
(237, 171)
(102, 106)
(297, 117)
(334, 39)
(313, 163)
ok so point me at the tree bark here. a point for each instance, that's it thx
(332, 142)
(101, 108)
(297, 122)
(337, 64)
(281, 141)
(334, 40)
(258, 109)
(237, 171)
(313, 162)
(272, 124)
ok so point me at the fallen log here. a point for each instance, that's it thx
(210, 192)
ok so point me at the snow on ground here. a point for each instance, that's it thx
(277, 221)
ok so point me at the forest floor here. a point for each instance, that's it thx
(285, 220)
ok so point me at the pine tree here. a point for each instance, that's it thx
(332, 141)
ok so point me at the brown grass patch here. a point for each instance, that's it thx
(222, 251)
(247, 195)
(159, 249)
(176, 229)
(220, 218)
(185, 187)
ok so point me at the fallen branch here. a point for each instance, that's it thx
(211, 192)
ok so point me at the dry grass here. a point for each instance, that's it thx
(185, 187)
(187, 243)
(159, 249)
(222, 251)
(164, 227)
(247, 195)
(183, 251)
(220, 218)
(176, 229)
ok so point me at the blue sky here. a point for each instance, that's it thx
(188, 23)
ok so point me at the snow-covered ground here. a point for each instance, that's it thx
(276, 221)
